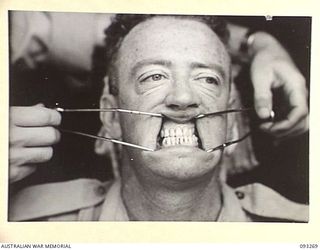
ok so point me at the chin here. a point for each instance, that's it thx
(181, 163)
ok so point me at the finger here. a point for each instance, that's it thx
(34, 136)
(299, 128)
(266, 126)
(296, 115)
(294, 88)
(280, 139)
(262, 81)
(26, 156)
(17, 173)
(34, 116)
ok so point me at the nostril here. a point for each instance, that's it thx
(180, 107)
(194, 105)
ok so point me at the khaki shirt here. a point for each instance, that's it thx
(92, 200)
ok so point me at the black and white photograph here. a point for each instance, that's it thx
(158, 117)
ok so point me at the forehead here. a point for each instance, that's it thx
(174, 39)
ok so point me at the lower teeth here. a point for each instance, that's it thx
(172, 141)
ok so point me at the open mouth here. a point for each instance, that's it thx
(178, 134)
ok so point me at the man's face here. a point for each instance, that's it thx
(179, 68)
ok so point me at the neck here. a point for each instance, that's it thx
(156, 199)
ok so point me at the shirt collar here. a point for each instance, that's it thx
(113, 208)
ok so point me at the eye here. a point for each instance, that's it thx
(154, 78)
(209, 80)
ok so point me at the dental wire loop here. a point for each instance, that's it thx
(226, 144)
(229, 143)
(269, 119)
(106, 139)
(222, 146)
(135, 112)
(223, 112)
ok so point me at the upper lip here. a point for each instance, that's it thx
(180, 116)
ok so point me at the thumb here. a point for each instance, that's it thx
(262, 84)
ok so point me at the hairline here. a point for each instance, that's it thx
(112, 70)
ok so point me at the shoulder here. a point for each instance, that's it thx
(63, 200)
(262, 203)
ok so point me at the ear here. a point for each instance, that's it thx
(240, 157)
(110, 121)
(232, 124)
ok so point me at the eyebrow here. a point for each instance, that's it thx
(150, 62)
(212, 66)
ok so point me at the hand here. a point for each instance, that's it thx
(273, 70)
(32, 135)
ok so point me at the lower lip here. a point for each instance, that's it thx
(179, 149)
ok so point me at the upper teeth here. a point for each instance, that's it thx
(174, 134)
(177, 131)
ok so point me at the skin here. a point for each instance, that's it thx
(181, 92)
(271, 68)
(179, 68)
(32, 134)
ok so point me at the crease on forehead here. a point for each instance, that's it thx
(201, 34)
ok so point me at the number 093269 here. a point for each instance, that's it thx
(308, 245)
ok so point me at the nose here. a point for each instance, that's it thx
(182, 97)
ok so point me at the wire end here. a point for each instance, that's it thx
(60, 109)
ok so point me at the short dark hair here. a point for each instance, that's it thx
(121, 25)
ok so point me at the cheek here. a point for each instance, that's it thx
(213, 97)
(141, 130)
(212, 131)
(143, 98)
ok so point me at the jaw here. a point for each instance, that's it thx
(180, 152)
(201, 134)
(179, 149)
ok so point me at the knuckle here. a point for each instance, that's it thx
(14, 110)
(15, 137)
(49, 117)
(13, 114)
(300, 79)
(299, 82)
(14, 158)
